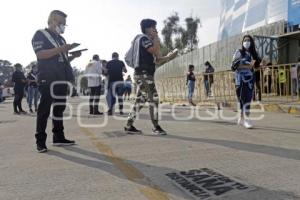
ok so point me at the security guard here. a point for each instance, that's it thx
(51, 50)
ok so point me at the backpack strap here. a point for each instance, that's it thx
(136, 48)
(33, 76)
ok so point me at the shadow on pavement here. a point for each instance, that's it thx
(254, 148)
(102, 163)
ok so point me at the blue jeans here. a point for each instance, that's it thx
(191, 88)
(33, 95)
(244, 82)
(115, 89)
(207, 85)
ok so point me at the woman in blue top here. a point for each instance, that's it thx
(245, 60)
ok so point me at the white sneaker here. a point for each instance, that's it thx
(240, 121)
(247, 124)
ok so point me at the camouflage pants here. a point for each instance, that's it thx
(146, 92)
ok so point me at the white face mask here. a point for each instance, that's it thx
(247, 45)
(60, 29)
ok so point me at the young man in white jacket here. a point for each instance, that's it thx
(93, 73)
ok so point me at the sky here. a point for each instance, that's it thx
(102, 26)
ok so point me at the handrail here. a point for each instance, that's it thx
(275, 85)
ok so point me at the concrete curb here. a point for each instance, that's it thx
(273, 108)
(290, 109)
(277, 108)
(294, 110)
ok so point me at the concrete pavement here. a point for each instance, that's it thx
(106, 163)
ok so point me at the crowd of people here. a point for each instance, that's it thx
(47, 82)
(253, 75)
(54, 71)
(116, 87)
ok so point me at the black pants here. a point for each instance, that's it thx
(59, 106)
(19, 94)
(257, 87)
(94, 98)
(257, 90)
(268, 88)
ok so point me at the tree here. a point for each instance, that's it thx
(6, 71)
(181, 40)
(191, 32)
(175, 36)
(5, 63)
(171, 27)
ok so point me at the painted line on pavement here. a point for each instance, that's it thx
(149, 190)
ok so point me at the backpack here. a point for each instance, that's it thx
(132, 55)
(235, 64)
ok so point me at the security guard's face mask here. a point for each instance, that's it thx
(60, 29)
(59, 26)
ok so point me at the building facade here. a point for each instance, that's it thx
(239, 16)
(274, 25)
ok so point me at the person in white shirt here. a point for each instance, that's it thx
(93, 73)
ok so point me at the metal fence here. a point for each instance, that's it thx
(171, 78)
(220, 53)
(276, 84)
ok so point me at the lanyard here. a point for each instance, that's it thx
(54, 43)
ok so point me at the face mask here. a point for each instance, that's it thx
(246, 45)
(60, 29)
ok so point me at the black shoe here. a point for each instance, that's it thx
(132, 130)
(30, 110)
(159, 131)
(41, 148)
(97, 113)
(63, 142)
(23, 112)
(121, 113)
(91, 110)
(109, 113)
(16, 113)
